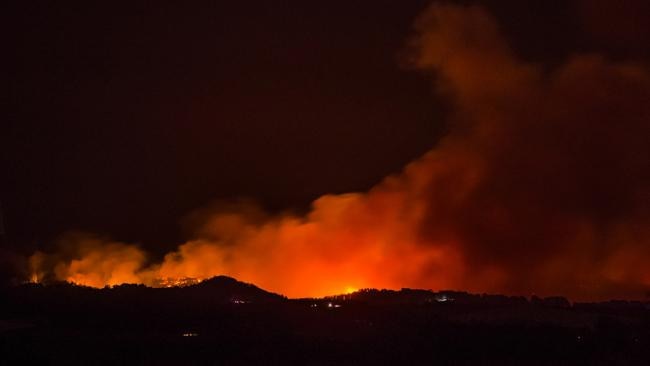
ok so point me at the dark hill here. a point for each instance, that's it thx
(225, 321)
(227, 290)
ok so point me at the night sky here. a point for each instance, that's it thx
(121, 120)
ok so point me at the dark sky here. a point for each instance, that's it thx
(121, 119)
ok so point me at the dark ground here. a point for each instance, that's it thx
(222, 321)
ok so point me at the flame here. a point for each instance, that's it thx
(540, 186)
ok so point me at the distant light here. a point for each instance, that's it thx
(190, 334)
(443, 298)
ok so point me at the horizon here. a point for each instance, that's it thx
(347, 295)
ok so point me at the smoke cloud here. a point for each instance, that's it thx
(542, 185)
(90, 260)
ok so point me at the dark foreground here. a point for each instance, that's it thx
(223, 321)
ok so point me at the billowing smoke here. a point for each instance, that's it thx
(90, 261)
(542, 185)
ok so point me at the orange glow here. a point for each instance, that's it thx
(535, 189)
(350, 290)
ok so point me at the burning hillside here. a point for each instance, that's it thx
(541, 185)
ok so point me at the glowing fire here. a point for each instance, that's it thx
(541, 185)
(176, 282)
(350, 290)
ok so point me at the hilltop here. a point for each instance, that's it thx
(223, 320)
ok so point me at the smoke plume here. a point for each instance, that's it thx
(541, 185)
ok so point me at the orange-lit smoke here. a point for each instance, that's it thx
(90, 261)
(542, 185)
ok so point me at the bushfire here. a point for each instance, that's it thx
(541, 185)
